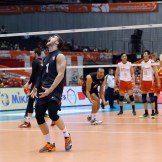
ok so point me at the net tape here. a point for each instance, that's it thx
(77, 31)
(83, 30)
(74, 67)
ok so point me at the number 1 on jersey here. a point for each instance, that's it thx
(47, 68)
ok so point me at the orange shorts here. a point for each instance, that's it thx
(147, 86)
(157, 89)
(125, 85)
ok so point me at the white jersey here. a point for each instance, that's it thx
(147, 70)
(125, 71)
(110, 80)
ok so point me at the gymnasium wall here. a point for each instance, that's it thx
(59, 21)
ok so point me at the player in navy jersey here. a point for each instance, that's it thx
(36, 67)
(49, 91)
(90, 89)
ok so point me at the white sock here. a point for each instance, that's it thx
(48, 138)
(65, 132)
(27, 119)
(93, 116)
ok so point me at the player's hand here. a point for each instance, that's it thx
(133, 84)
(80, 82)
(159, 85)
(93, 102)
(33, 93)
(105, 103)
(26, 85)
(45, 93)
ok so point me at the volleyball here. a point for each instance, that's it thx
(27, 91)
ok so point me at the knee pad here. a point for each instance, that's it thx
(131, 98)
(144, 100)
(39, 115)
(54, 117)
(121, 98)
(151, 96)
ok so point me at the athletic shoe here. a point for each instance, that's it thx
(53, 124)
(134, 113)
(156, 112)
(96, 122)
(113, 107)
(120, 113)
(152, 116)
(89, 118)
(145, 115)
(102, 105)
(25, 125)
(68, 143)
(48, 148)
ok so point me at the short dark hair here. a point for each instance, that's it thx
(111, 69)
(122, 54)
(37, 51)
(60, 40)
(100, 68)
(147, 52)
(81, 77)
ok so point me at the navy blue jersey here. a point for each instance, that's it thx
(49, 73)
(36, 68)
(95, 82)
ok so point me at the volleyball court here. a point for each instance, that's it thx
(118, 138)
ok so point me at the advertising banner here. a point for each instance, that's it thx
(133, 7)
(12, 99)
(15, 98)
(73, 96)
(81, 8)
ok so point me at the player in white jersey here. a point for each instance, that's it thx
(125, 74)
(147, 83)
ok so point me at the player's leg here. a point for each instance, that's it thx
(131, 97)
(53, 108)
(40, 110)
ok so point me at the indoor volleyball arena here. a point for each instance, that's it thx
(80, 81)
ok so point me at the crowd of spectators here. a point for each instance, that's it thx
(29, 43)
(9, 80)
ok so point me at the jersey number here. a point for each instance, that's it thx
(47, 68)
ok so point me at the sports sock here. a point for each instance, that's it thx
(65, 132)
(48, 138)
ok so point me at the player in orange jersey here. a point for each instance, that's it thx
(125, 73)
(147, 83)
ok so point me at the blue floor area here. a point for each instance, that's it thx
(19, 114)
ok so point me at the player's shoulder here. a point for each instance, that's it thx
(152, 61)
(129, 63)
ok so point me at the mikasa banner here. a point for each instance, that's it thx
(15, 98)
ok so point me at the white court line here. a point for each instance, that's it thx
(104, 123)
(73, 131)
(107, 123)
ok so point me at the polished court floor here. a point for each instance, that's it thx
(125, 138)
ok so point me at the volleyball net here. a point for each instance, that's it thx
(85, 51)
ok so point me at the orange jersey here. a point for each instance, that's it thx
(158, 89)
